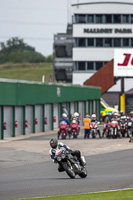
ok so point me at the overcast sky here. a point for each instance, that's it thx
(36, 21)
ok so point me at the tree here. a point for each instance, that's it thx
(16, 51)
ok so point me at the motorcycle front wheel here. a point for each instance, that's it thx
(74, 135)
(84, 173)
(69, 170)
(93, 134)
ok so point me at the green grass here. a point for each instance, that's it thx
(30, 72)
(114, 195)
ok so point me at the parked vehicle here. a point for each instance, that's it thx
(114, 129)
(130, 128)
(94, 129)
(107, 130)
(70, 163)
(63, 130)
(74, 129)
(123, 125)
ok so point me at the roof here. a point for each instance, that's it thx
(129, 91)
(104, 2)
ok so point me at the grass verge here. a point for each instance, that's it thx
(29, 72)
(112, 195)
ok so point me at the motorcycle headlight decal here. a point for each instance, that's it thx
(58, 158)
(63, 156)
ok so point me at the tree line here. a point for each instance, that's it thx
(15, 50)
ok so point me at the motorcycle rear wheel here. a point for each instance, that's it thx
(84, 173)
(69, 170)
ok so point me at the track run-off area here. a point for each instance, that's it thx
(26, 169)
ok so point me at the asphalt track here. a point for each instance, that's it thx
(26, 174)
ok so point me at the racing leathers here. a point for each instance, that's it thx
(74, 153)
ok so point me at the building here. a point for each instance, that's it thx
(62, 56)
(98, 28)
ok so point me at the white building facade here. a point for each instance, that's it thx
(98, 29)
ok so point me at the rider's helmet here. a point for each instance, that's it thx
(53, 143)
(64, 116)
(131, 114)
(76, 114)
(93, 116)
(121, 112)
(115, 115)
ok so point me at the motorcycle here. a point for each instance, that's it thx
(130, 128)
(70, 163)
(94, 129)
(114, 129)
(63, 130)
(74, 129)
(107, 129)
(123, 125)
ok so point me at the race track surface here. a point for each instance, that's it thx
(25, 173)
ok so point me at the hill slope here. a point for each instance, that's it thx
(31, 72)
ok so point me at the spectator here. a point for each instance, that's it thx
(87, 121)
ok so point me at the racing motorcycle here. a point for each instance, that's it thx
(94, 129)
(70, 163)
(63, 130)
(74, 129)
(123, 125)
(107, 129)
(130, 128)
(114, 129)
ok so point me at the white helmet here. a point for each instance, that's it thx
(93, 115)
(64, 115)
(76, 114)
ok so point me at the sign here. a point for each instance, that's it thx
(108, 30)
(58, 92)
(123, 62)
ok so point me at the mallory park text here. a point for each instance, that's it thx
(107, 30)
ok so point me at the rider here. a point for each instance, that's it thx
(56, 146)
(65, 119)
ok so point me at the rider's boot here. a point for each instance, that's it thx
(82, 161)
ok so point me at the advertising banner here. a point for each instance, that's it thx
(123, 62)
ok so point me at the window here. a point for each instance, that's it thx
(131, 19)
(108, 42)
(125, 19)
(99, 42)
(125, 42)
(90, 19)
(99, 19)
(90, 42)
(117, 19)
(90, 66)
(82, 19)
(82, 42)
(81, 65)
(99, 65)
(131, 42)
(108, 19)
(117, 42)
